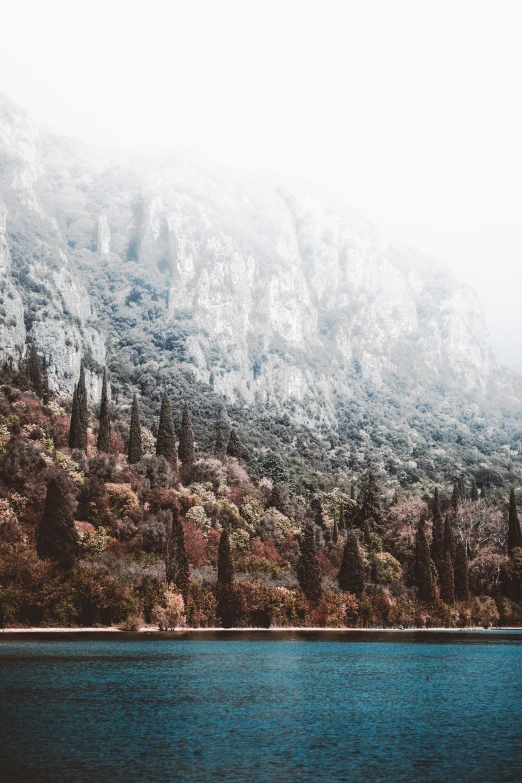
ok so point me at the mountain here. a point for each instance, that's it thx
(294, 314)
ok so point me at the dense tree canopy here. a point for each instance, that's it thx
(230, 545)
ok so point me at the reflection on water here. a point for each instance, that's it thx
(301, 707)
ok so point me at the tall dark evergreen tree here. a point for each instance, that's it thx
(351, 573)
(220, 449)
(423, 574)
(57, 538)
(34, 370)
(474, 491)
(166, 440)
(367, 533)
(177, 570)
(335, 532)
(104, 430)
(514, 537)
(455, 498)
(171, 562)
(183, 570)
(462, 488)
(135, 451)
(437, 541)
(225, 575)
(308, 573)
(447, 580)
(186, 449)
(45, 382)
(83, 411)
(317, 508)
(449, 540)
(74, 424)
(352, 493)
(341, 516)
(225, 581)
(370, 512)
(461, 572)
(235, 447)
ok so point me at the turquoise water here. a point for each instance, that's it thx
(235, 707)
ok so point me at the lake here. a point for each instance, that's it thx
(262, 707)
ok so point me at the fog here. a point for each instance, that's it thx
(410, 110)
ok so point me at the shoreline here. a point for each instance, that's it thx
(292, 629)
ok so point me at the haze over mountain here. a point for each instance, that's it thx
(263, 296)
(356, 97)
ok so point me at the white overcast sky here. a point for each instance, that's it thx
(411, 110)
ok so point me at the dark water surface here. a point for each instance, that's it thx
(262, 708)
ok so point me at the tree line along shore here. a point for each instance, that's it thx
(106, 522)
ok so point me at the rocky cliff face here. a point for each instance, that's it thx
(12, 326)
(44, 301)
(274, 298)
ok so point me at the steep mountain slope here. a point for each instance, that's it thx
(264, 298)
(44, 301)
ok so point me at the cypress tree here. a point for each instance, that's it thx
(74, 423)
(220, 449)
(170, 551)
(474, 491)
(166, 441)
(225, 581)
(461, 572)
(437, 541)
(34, 370)
(351, 573)
(177, 570)
(483, 493)
(57, 538)
(317, 507)
(225, 575)
(462, 488)
(104, 431)
(367, 533)
(183, 574)
(370, 513)
(335, 532)
(341, 516)
(235, 447)
(135, 452)
(352, 493)
(423, 577)
(455, 498)
(45, 382)
(186, 449)
(449, 540)
(83, 412)
(514, 537)
(308, 573)
(447, 580)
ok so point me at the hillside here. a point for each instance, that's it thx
(125, 536)
(319, 435)
(295, 320)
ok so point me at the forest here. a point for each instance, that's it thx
(105, 521)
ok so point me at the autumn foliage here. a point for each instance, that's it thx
(117, 531)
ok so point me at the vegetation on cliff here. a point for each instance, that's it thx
(101, 522)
